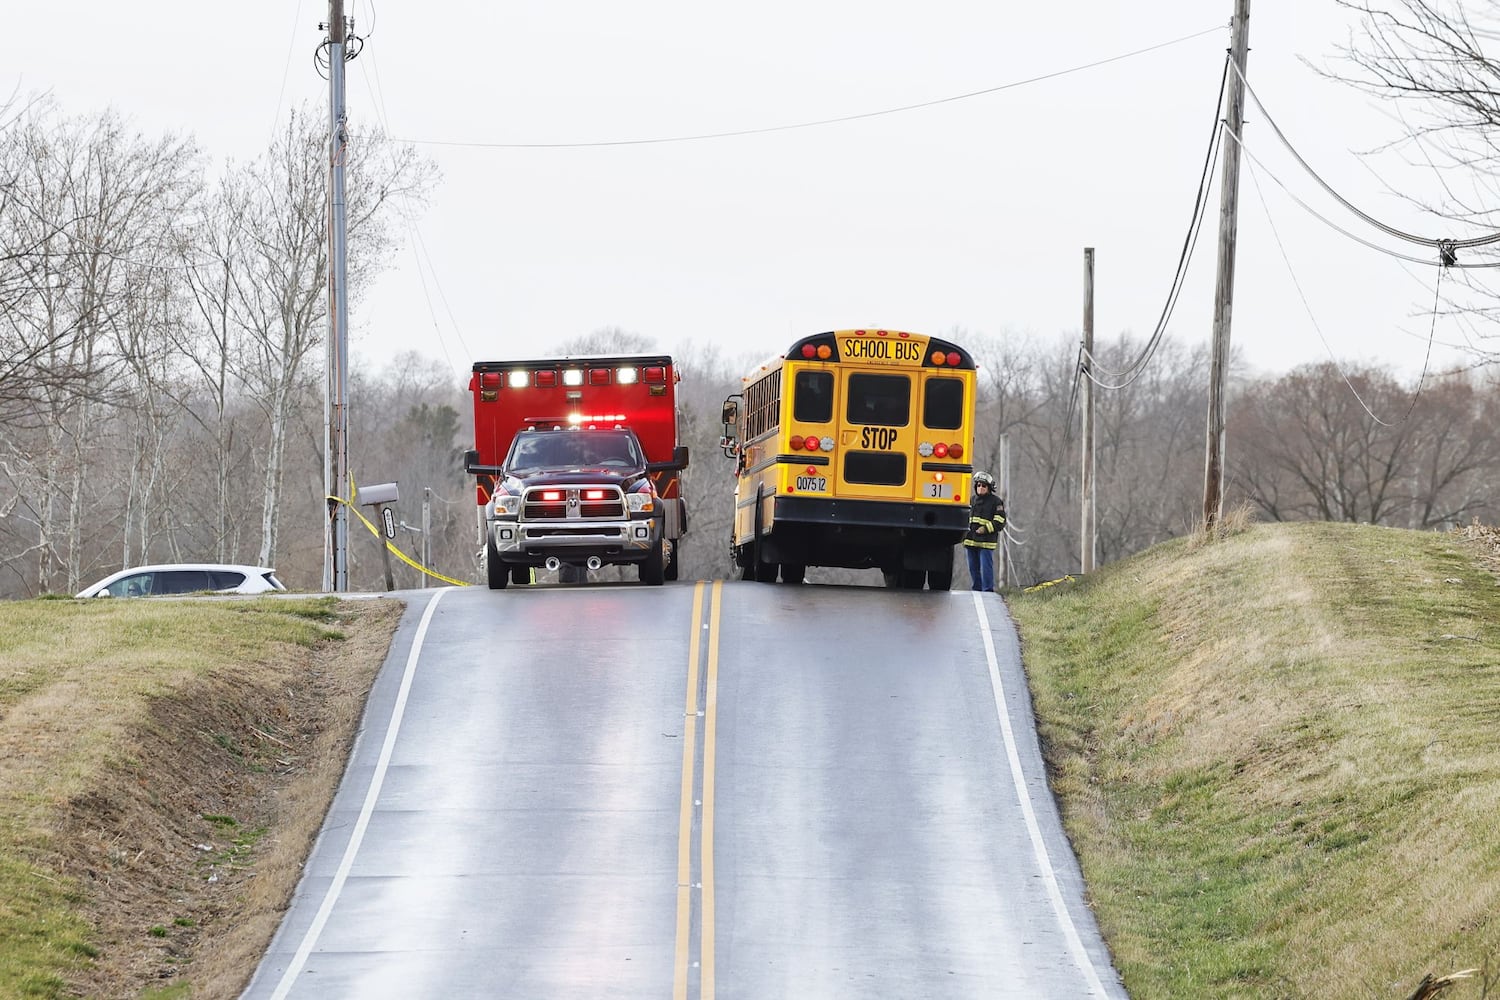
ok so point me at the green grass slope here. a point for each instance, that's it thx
(1278, 757)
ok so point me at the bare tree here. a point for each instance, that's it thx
(1428, 59)
(280, 285)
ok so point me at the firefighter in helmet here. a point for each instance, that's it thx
(986, 523)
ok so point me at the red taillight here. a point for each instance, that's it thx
(489, 380)
(656, 374)
(811, 444)
(955, 451)
(546, 379)
(940, 450)
(812, 470)
(598, 376)
(796, 443)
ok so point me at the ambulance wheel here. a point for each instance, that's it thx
(653, 569)
(495, 571)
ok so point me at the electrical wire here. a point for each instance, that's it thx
(1067, 430)
(1255, 180)
(1340, 229)
(1440, 244)
(822, 121)
(377, 97)
(1190, 241)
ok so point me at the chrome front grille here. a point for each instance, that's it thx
(573, 503)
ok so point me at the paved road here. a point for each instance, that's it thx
(731, 790)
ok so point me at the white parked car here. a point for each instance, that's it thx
(185, 578)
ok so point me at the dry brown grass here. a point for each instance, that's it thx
(171, 763)
(1276, 753)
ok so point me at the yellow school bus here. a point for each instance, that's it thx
(853, 449)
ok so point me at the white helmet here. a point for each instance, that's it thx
(986, 479)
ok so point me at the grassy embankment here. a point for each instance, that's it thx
(164, 766)
(1279, 759)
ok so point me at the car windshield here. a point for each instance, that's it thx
(574, 449)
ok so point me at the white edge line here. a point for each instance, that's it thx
(310, 939)
(1038, 847)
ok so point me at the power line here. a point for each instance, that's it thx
(1189, 244)
(1346, 233)
(1443, 246)
(1255, 179)
(822, 121)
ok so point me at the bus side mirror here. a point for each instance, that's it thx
(731, 415)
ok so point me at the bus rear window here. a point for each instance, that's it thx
(884, 400)
(943, 404)
(813, 402)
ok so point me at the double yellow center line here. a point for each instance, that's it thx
(702, 698)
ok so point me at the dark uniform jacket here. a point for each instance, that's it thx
(986, 519)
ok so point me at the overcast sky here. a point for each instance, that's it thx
(970, 213)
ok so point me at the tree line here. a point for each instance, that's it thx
(163, 328)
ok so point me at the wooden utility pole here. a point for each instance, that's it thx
(336, 402)
(1086, 399)
(1229, 197)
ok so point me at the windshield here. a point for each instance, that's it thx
(573, 450)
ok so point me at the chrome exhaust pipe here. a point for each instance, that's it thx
(595, 562)
(552, 563)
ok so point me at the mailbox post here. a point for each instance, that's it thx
(378, 496)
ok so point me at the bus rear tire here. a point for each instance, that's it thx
(793, 573)
(940, 579)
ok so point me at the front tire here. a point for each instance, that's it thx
(496, 573)
(671, 570)
(653, 569)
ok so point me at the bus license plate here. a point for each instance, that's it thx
(938, 491)
(813, 484)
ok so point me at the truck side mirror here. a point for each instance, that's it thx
(471, 459)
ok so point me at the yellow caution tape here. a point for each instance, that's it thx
(1049, 583)
(390, 545)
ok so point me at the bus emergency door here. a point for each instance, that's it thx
(877, 433)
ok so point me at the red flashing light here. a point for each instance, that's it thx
(598, 376)
(594, 494)
(656, 374)
(940, 450)
(552, 496)
(489, 380)
(953, 359)
(546, 379)
(809, 351)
